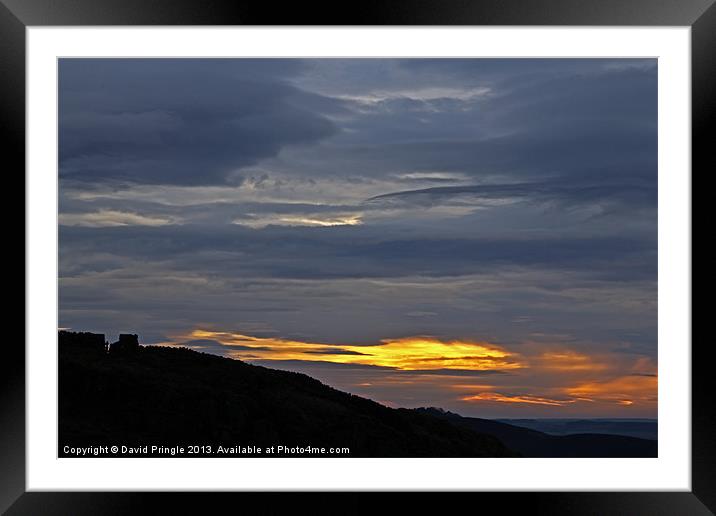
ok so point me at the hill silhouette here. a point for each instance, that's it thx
(115, 395)
(642, 428)
(127, 394)
(532, 443)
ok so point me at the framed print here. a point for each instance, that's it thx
(419, 248)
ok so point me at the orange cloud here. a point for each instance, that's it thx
(503, 398)
(624, 390)
(542, 376)
(409, 353)
(416, 353)
(569, 360)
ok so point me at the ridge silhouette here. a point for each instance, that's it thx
(176, 396)
(127, 394)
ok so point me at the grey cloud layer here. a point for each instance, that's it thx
(178, 121)
(347, 252)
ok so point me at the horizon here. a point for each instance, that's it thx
(472, 234)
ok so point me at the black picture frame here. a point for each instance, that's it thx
(17, 15)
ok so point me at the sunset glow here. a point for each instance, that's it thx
(496, 396)
(565, 377)
(409, 353)
(625, 390)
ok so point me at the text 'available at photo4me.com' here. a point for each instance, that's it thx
(196, 450)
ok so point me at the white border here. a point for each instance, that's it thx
(671, 471)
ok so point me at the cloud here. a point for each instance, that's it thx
(311, 220)
(110, 218)
(502, 398)
(181, 122)
(625, 389)
(347, 251)
(608, 192)
(546, 379)
(333, 351)
(417, 353)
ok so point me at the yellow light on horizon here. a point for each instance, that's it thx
(502, 398)
(408, 353)
(600, 380)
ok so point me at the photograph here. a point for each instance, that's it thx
(346, 257)
(425, 247)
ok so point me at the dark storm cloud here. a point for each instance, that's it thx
(581, 152)
(203, 121)
(190, 122)
(559, 119)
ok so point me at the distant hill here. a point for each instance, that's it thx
(642, 428)
(137, 395)
(532, 443)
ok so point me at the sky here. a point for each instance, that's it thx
(478, 235)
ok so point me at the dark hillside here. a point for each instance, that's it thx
(175, 396)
